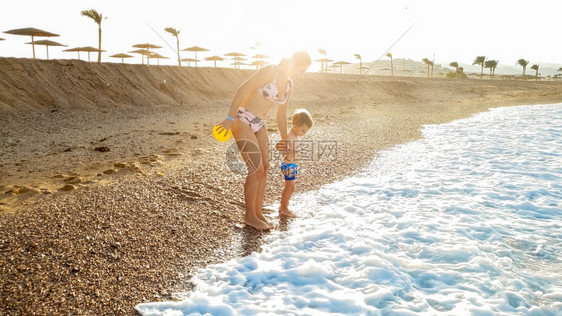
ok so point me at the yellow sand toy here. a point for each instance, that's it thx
(221, 134)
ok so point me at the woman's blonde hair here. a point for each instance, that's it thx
(301, 57)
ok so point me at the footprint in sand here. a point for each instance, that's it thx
(131, 166)
(73, 179)
(68, 187)
(172, 152)
(149, 160)
(120, 165)
(17, 190)
(102, 149)
(198, 152)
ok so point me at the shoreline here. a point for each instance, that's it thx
(431, 206)
(171, 205)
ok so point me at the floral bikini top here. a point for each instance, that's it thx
(270, 92)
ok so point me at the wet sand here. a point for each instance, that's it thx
(113, 195)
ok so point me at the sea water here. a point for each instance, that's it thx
(465, 221)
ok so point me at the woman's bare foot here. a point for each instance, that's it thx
(257, 223)
(263, 219)
(287, 212)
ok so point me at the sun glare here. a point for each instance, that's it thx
(278, 28)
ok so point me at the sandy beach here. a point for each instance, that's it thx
(113, 191)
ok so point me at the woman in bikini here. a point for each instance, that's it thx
(269, 87)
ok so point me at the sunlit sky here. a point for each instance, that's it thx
(444, 30)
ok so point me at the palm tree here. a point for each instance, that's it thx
(456, 65)
(175, 33)
(492, 64)
(460, 73)
(523, 63)
(323, 52)
(429, 63)
(480, 60)
(360, 62)
(97, 17)
(536, 69)
(389, 55)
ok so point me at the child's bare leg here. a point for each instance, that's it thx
(285, 198)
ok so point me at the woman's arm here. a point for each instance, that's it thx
(282, 116)
(282, 124)
(282, 119)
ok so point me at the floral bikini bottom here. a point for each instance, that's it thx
(249, 118)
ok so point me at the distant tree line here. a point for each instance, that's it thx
(483, 62)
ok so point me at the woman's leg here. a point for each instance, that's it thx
(263, 143)
(249, 148)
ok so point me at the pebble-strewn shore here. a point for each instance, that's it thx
(161, 202)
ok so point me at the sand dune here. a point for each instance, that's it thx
(62, 84)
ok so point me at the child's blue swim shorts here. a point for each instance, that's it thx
(289, 170)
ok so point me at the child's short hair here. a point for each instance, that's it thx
(302, 117)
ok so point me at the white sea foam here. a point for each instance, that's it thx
(466, 221)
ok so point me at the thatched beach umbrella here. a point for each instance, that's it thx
(323, 63)
(142, 52)
(258, 63)
(259, 60)
(235, 54)
(238, 61)
(237, 64)
(90, 49)
(195, 49)
(237, 57)
(189, 60)
(122, 56)
(340, 64)
(30, 31)
(260, 56)
(47, 43)
(147, 47)
(158, 57)
(214, 59)
(74, 49)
